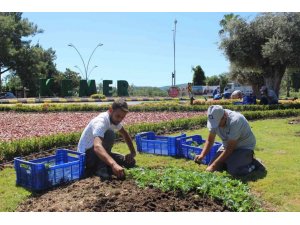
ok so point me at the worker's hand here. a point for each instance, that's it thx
(211, 168)
(198, 159)
(118, 170)
(129, 158)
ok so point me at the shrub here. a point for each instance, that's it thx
(98, 96)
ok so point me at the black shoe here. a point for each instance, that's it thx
(259, 166)
(103, 173)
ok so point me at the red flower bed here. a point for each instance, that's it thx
(21, 125)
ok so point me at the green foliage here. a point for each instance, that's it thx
(22, 147)
(269, 43)
(13, 83)
(33, 63)
(67, 75)
(13, 30)
(146, 91)
(199, 106)
(98, 96)
(10, 194)
(212, 80)
(247, 76)
(278, 146)
(224, 78)
(198, 76)
(232, 193)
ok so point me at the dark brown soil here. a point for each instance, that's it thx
(93, 195)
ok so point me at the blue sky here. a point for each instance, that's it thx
(137, 46)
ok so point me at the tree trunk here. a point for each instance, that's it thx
(256, 92)
(288, 87)
(273, 76)
(0, 81)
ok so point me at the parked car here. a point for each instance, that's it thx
(7, 95)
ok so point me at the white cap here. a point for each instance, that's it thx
(214, 114)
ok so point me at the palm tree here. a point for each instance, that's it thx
(226, 20)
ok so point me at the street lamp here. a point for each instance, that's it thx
(174, 38)
(86, 67)
(79, 70)
(92, 70)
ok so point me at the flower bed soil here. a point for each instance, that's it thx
(93, 195)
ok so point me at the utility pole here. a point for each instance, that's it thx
(174, 44)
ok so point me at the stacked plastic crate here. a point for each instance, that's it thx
(180, 146)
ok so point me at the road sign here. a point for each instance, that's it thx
(173, 92)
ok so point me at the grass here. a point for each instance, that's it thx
(10, 195)
(293, 94)
(277, 146)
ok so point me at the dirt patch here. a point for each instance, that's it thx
(281, 152)
(92, 195)
(295, 121)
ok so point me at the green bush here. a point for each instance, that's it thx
(146, 107)
(98, 96)
(21, 147)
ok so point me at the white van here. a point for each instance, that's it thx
(246, 90)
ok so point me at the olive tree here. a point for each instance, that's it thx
(269, 44)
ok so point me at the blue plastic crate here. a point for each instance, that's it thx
(43, 173)
(212, 152)
(148, 142)
(188, 151)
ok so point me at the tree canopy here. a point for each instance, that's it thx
(198, 76)
(268, 44)
(13, 31)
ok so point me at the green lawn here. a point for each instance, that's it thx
(10, 195)
(277, 145)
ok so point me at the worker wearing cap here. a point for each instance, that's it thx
(97, 141)
(237, 94)
(236, 153)
(268, 96)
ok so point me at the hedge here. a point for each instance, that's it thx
(22, 147)
(149, 107)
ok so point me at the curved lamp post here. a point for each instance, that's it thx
(86, 67)
(79, 70)
(92, 70)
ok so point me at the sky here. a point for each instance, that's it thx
(137, 46)
(137, 35)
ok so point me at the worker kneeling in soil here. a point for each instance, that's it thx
(236, 155)
(97, 141)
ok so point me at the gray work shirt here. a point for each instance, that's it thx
(272, 95)
(236, 128)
